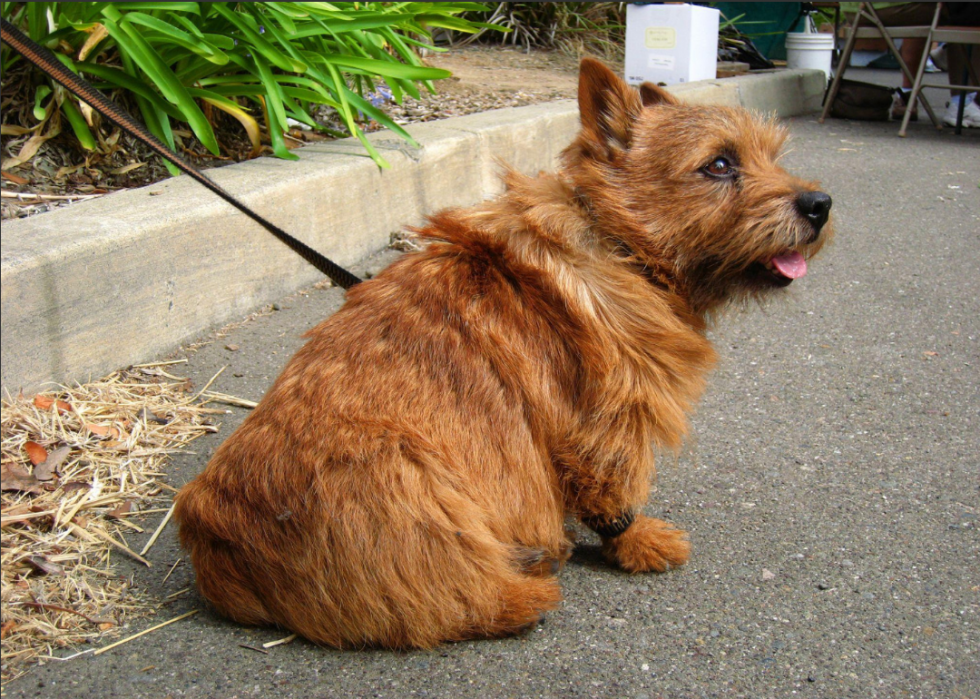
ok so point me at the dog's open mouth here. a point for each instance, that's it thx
(786, 267)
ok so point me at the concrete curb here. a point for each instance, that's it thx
(129, 277)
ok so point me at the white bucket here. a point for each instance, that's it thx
(805, 50)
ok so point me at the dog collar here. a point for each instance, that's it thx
(609, 528)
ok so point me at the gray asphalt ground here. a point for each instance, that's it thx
(831, 490)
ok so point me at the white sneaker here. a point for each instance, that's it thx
(971, 114)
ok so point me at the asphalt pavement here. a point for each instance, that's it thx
(831, 490)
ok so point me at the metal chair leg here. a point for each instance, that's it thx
(841, 66)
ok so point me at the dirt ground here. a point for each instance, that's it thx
(487, 71)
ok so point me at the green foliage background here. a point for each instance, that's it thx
(260, 62)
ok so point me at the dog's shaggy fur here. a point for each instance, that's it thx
(406, 480)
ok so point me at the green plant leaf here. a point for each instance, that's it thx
(276, 130)
(273, 91)
(78, 123)
(287, 55)
(259, 44)
(37, 21)
(281, 17)
(191, 7)
(386, 69)
(164, 80)
(118, 78)
(447, 22)
(286, 8)
(247, 121)
(41, 113)
(352, 25)
(373, 112)
(196, 44)
(159, 125)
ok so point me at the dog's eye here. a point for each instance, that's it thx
(720, 167)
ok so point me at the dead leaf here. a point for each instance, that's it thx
(96, 34)
(16, 179)
(68, 170)
(931, 354)
(147, 416)
(117, 437)
(87, 112)
(125, 508)
(35, 141)
(72, 486)
(106, 625)
(14, 130)
(45, 566)
(99, 430)
(46, 470)
(35, 452)
(232, 348)
(42, 402)
(22, 509)
(13, 476)
(126, 168)
(6, 628)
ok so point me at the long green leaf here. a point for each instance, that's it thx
(305, 95)
(352, 25)
(37, 20)
(119, 78)
(276, 130)
(370, 110)
(447, 22)
(191, 7)
(259, 44)
(197, 44)
(164, 79)
(287, 8)
(395, 70)
(282, 18)
(78, 123)
(273, 91)
(42, 91)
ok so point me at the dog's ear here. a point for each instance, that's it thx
(652, 95)
(608, 106)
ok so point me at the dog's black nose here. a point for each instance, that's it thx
(816, 207)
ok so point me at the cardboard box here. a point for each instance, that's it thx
(675, 43)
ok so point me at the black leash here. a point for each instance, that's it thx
(46, 61)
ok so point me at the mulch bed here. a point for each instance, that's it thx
(82, 469)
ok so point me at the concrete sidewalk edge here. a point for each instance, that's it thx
(129, 277)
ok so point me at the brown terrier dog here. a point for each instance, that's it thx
(406, 479)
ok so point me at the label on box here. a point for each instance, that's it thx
(660, 38)
(660, 61)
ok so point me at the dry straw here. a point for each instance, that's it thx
(81, 471)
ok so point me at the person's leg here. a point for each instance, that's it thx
(960, 56)
(911, 51)
(909, 15)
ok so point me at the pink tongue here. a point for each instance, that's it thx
(790, 265)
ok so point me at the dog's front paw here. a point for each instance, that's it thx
(648, 544)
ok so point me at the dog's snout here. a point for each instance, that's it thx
(815, 206)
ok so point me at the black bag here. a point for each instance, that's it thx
(862, 101)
